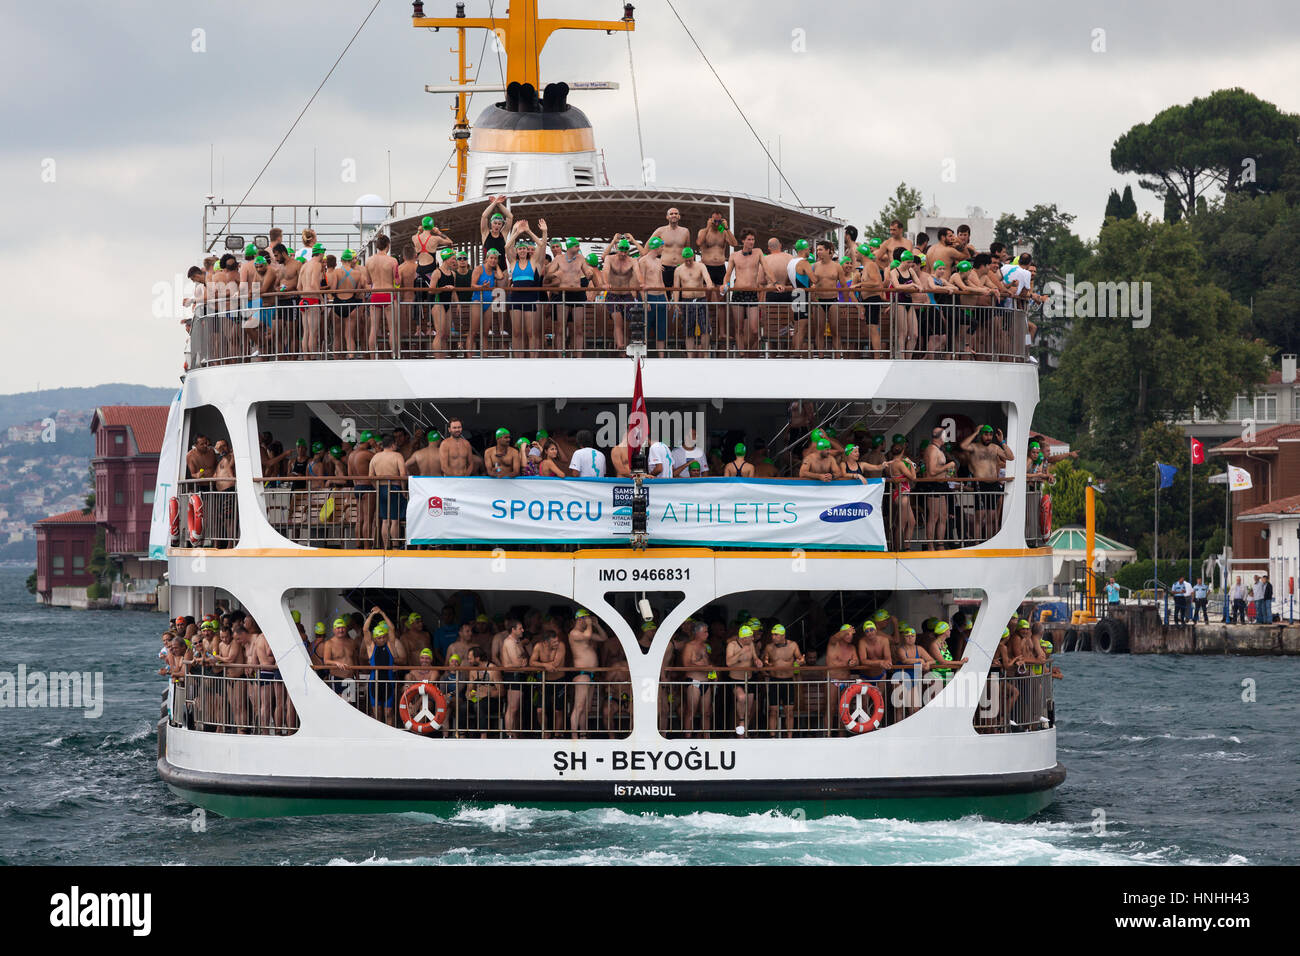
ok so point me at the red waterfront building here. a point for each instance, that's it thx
(128, 440)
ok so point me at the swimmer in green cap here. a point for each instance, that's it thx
(502, 460)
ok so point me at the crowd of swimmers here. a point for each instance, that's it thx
(696, 293)
(926, 477)
(560, 672)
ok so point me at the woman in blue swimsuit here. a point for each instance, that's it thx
(529, 253)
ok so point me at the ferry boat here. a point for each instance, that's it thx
(639, 728)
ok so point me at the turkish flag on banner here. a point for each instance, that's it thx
(638, 422)
(1198, 453)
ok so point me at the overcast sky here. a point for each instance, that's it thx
(111, 102)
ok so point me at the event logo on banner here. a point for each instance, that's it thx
(769, 513)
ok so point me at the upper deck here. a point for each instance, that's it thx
(460, 309)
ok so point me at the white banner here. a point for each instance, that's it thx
(169, 470)
(771, 513)
(1238, 478)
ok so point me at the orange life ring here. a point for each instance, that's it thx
(437, 719)
(849, 713)
(174, 516)
(1045, 514)
(195, 519)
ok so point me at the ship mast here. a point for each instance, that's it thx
(521, 36)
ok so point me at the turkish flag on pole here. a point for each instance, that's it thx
(1198, 453)
(638, 422)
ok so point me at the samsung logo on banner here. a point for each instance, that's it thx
(850, 511)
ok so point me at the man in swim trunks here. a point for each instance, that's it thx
(821, 464)
(743, 663)
(691, 285)
(987, 456)
(712, 244)
(270, 691)
(675, 237)
(311, 280)
(426, 460)
(382, 270)
(388, 471)
(549, 654)
(781, 657)
(777, 294)
(586, 632)
(339, 654)
(572, 274)
(841, 659)
(623, 280)
(744, 275)
(828, 277)
(699, 692)
(514, 658)
(455, 452)
(201, 460)
(652, 282)
(502, 459)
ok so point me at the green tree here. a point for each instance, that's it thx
(1230, 140)
(1128, 207)
(1112, 205)
(1194, 351)
(901, 206)
(31, 583)
(1057, 252)
(1069, 494)
(1248, 245)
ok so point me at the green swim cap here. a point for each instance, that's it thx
(301, 257)
(817, 433)
(624, 244)
(336, 450)
(340, 622)
(850, 449)
(542, 434)
(367, 436)
(688, 253)
(1005, 633)
(320, 627)
(877, 440)
(894, 263)
(347, 255)
(433, 437)
(875, 243)
(906, 256)
(426, 654)
(778, 628)
(655, 242)
(864, 249)
(523, 441)
(426, 222)
(250, 250)
(745, 631)
(593, 260)
(880, 615)
(260, 261)
(985, 428)
(380, 629)
(413, 617)
(503, 433)
(582, 612)
(318, 249)
(446, 254)
(964, 266)
(823, 444)
(693, 465)
(868, 625)
(801, 245)
(899, 440)
(648, 625)
(845, 260)
(317, 447)
(943, 627)
(1034, 444)
(920, 257)
(571, 242)
(938, 263)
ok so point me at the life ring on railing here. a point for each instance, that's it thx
(1045, 514)
(426, 720)
(854, 719)
(174, 516)
(195, 519)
